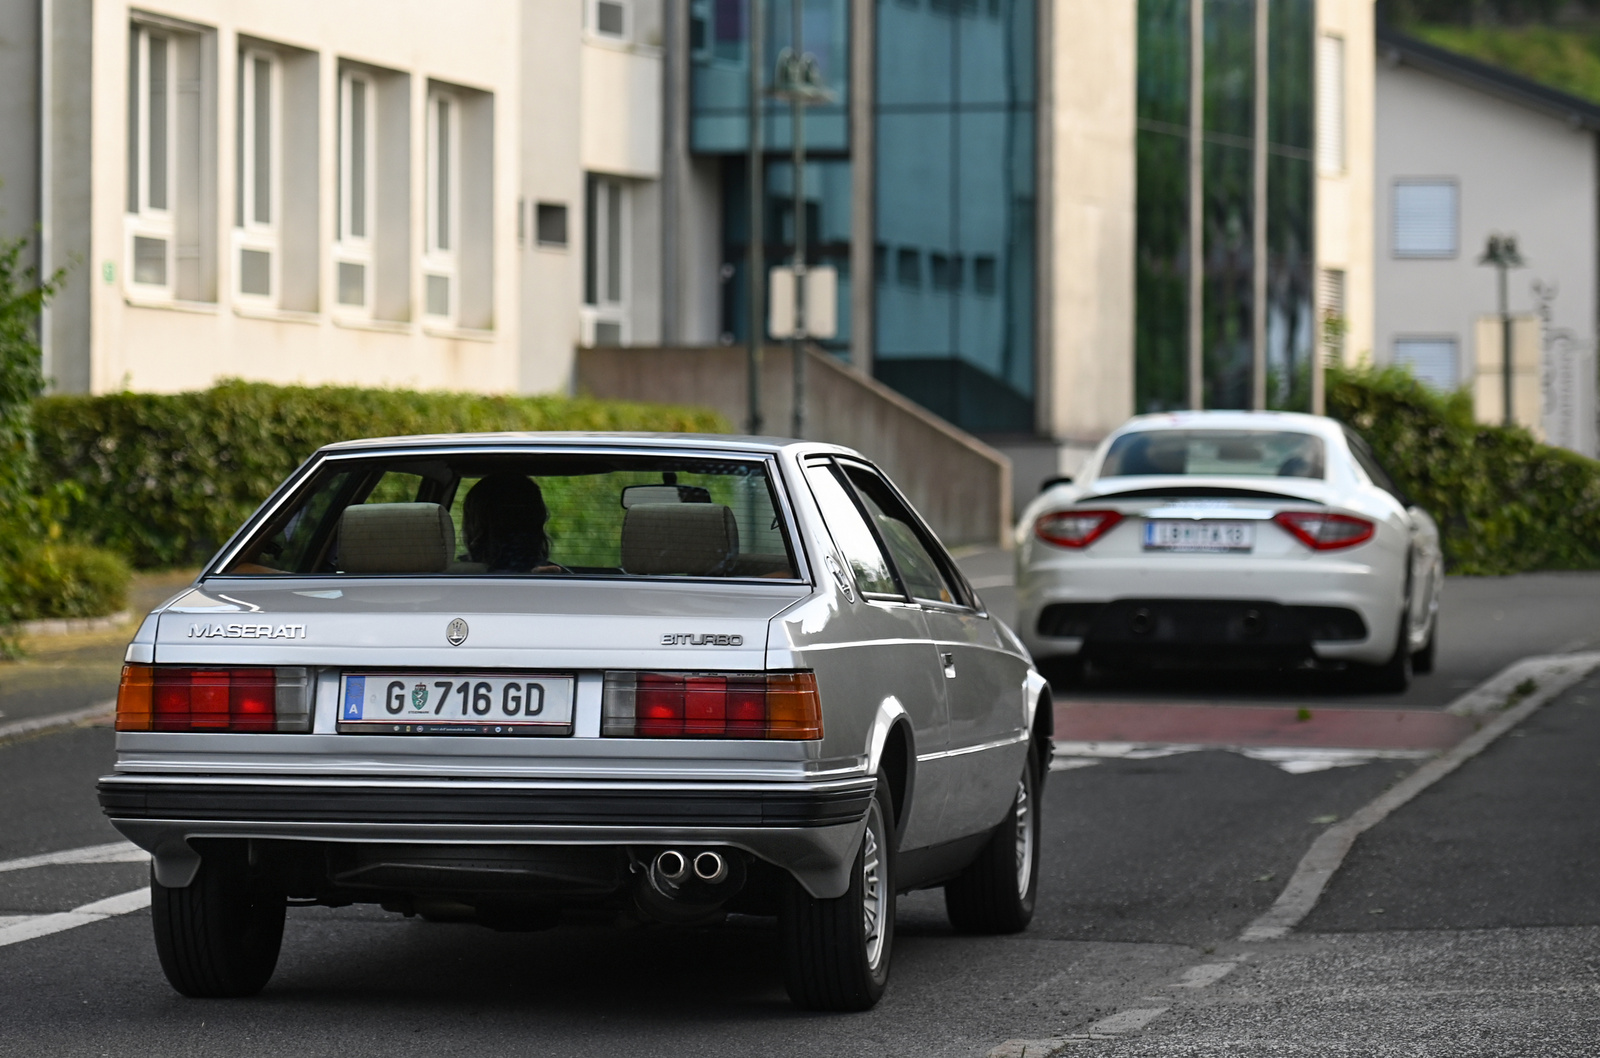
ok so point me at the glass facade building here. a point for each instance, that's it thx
(1228, 200)
(954, 113)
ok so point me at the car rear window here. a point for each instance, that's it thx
(526, 515)
(1215, 453)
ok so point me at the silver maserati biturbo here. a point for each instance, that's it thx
(514, 677)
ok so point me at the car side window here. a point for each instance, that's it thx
(918, 566)
(851, 534)
(1369, 463)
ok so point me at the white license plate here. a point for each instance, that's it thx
(1199, 536)
(461, 703)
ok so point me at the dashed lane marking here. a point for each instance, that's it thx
(1296, 760)
(111, 852)
(35, 926)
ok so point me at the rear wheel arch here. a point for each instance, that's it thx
(896, 763)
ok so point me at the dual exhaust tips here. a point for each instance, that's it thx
(674, 868)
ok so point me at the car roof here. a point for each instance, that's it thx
(583, 439)
(1320, 425)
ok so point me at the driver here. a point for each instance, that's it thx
(503, 522)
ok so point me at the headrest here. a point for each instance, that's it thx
(690, 539)
(396, 538)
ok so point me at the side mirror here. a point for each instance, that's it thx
(634, 495)
(1051, 482)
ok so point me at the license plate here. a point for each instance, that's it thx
(420, 703)
(1199, 536)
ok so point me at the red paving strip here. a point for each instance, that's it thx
(1254, 725)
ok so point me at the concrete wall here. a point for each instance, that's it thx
(19, 117)
(1086, 257)
(1518, 171)
(960, 485)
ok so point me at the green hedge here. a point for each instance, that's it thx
(166, 479)
(59, 579)
(1505, 503)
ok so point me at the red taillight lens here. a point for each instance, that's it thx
(159, 698)
(1074, 528)
(1323, 531)
(780, 705)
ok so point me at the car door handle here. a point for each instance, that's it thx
(949, 665)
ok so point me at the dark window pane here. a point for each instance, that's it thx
(609, 17)
(157, 192)
(358, 159)
(443, 157)
(551, 224)
(262, 141)
(150, 261)
(352, 283)
(255, 272)
(134, 130)
(437, 295)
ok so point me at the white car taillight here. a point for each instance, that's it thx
(1074, 528)
(1325, 532)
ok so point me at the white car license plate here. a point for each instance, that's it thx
(1199, 536)
(461, 703)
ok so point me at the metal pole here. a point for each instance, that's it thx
(755, 260)
(797, 136)
(1258, 221)
(1197, 251)
(1505, 341)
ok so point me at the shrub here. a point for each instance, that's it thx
(57, 579)
(166, 479)
(1505, 503)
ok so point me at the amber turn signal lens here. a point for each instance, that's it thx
(794, 709)
(135, 695)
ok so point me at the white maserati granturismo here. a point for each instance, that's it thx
(1230, 539)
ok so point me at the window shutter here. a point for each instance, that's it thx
(1330, 104)
(1425, 218)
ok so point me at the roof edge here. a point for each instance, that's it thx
(1398, 48)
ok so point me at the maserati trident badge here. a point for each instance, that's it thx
(456, 632)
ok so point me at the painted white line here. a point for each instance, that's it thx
(44, 723)
(1526, 686)
(1296, 760)
(1205, 975)
(1127, 1020)
(112, 852)
(998, 580)
(36, 926)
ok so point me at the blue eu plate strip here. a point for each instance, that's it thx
(355, 691)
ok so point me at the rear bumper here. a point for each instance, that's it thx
(811, 830)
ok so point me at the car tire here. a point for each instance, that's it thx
(1394, 675)
(1422, 660)
(836, 951)
(218, 937)
(996, 893)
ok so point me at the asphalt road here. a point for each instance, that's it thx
(1486, 942)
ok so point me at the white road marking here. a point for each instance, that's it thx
(1523, 688)
(1296, 760)
(111, 852)
(998, 580)
(1127, 1020)
(1205, 975)
(35, 926)
(44, 723)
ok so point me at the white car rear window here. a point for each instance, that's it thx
(1216, 453)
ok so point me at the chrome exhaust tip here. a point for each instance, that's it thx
(710, 867)
(671, 866)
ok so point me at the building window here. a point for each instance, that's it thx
(439, 270)
(609, 18)
(908, 267)
(1432, 359)
(606, 249)
(1334, 325)
(152, 158)
(1330, 104)
(257, 204)
(550, 224)
(353, 264)
(1424, 220)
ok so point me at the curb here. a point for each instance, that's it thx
(66, 626)
(18, 728)
(1517, 692)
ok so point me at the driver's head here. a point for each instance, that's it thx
(503, 522)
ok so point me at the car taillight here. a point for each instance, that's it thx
(780, 705)
(1325, 532)
(1075, 528)
(172, 698)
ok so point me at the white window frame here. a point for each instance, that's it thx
(593, 17)
(610, 248)
(144, 219)
(350, 248)
(441, 251)
(251, 233)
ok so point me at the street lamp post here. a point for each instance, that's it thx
(1502, 254)
(799, 81)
